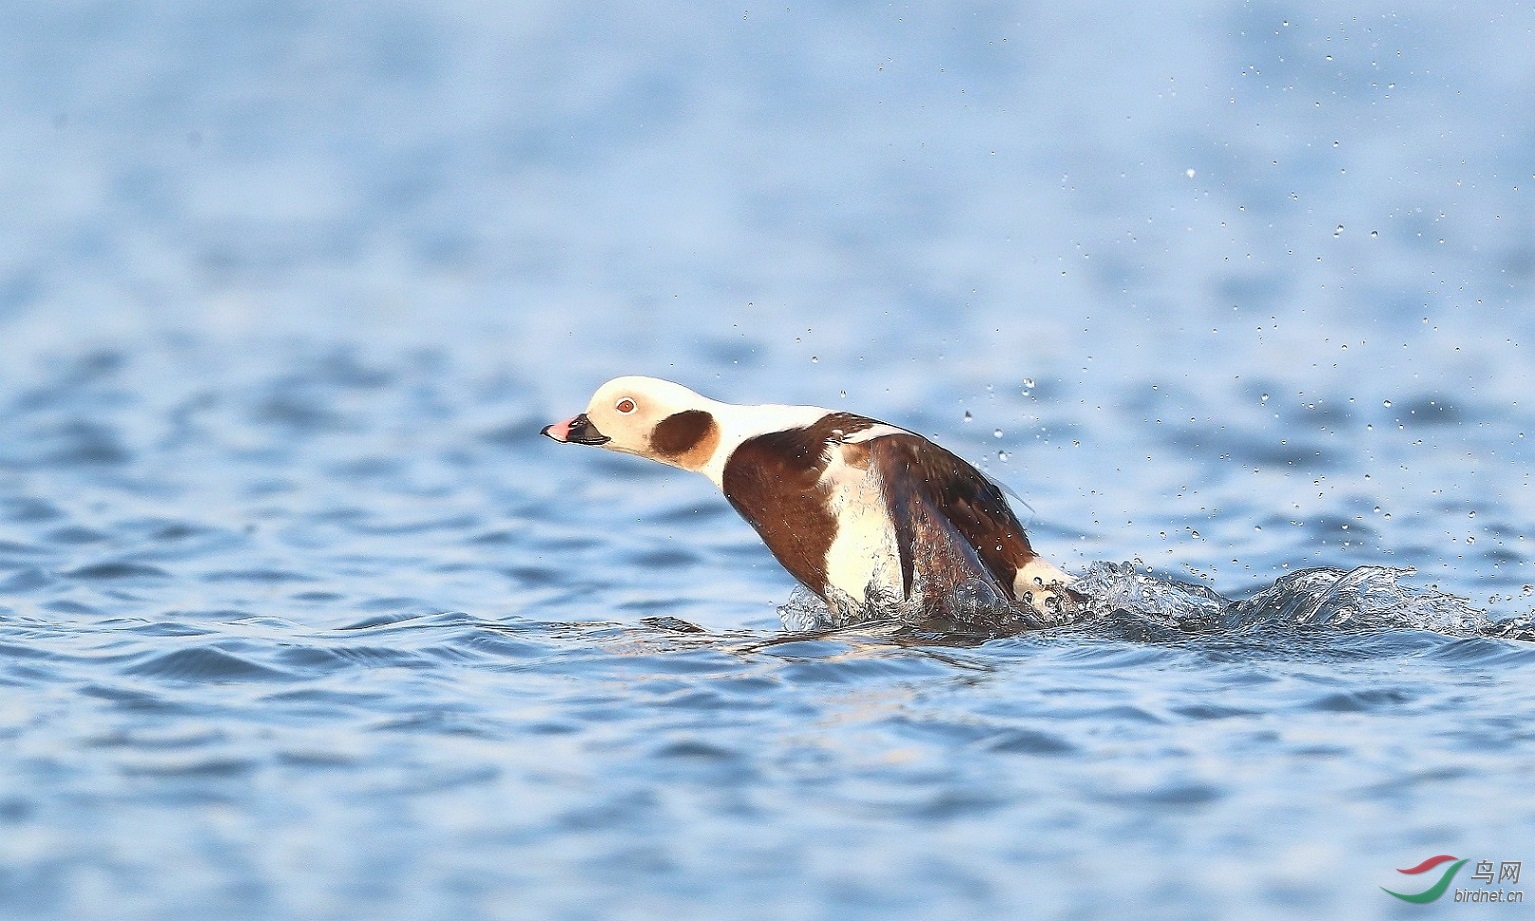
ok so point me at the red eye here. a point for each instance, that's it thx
(626, 405)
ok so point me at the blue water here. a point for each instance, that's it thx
(300, 619)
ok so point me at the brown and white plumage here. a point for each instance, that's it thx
(873, 518)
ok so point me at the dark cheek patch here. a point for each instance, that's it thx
(688, 437)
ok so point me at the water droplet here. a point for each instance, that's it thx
(1028, 383)
(844, 394)
(1374, 233)
(1002, 456)
(1189, 173)
(1339, 231)
(1264, 398)
(1385, 402)
(997, 433)
(968, 417)
(814, 359)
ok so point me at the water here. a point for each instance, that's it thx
(299, 618)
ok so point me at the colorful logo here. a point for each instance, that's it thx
(1437, 889)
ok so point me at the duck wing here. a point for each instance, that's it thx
(947, 514)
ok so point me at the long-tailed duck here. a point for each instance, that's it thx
(876, 520)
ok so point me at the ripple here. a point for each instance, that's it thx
(255, 575)
(74, 534)
(11, 548)
(1170, 796)
(1213, 711)
(318, 597)
(79, 443)
(26, 580)
(196, 767)
(133, 699)
(669, 558)
(797, 650)
(863, 669)
(1481, 651)
(16, 809)
(1117, 713)
(405, 618)
(424, 526)
(13, 651)
(28, 509)
(165, 628)
(327, 659)
(697, 750)
(298, 414)
(1362, 701)
(955, 804)
(535, 576)
(498, 644)
(204, 663)
(318, 759)
(116, 570)
(66, 606)
(1400, 786)
(1030, 742)
(159, 740)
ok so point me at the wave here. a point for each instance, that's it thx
(1133, 602)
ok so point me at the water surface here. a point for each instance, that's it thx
(299, 618)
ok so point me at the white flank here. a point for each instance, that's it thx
(863, 555)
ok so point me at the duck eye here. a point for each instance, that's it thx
(625, 405)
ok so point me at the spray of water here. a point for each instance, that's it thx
(1321, 599)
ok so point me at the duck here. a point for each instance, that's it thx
(875, 520)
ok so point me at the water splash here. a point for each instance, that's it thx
(1364, 598)
(973, 609)
(804, 612)
(1321, 599)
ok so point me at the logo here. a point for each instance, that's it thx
(1437, 889)
(1508, 871)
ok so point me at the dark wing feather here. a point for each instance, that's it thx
(928, 487)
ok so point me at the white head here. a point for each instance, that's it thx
(647, 417)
